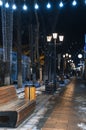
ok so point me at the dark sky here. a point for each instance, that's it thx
(69, 21)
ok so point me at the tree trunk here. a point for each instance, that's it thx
(7, 34)
(19, 48)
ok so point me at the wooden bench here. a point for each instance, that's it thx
(13, 110)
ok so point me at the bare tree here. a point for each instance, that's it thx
(7, 34)
(19, 46)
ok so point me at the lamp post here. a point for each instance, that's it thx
(49, 38)
(66, 57)
(80, 56)
(61, 37)
(51, 64)
(55, 38)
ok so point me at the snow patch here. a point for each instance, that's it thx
(82, 108)
(82, 125)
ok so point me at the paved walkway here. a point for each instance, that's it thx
(66, 111)
(42, 105)
(70, 110)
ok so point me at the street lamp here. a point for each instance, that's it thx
(55, 35)
(51, 64)
(55, 38)
(66, 58)
(79, 56)
(61, 37)
(82, 67)
(49, 38)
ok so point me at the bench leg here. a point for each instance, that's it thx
(8, 118)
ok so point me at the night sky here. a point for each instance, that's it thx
(69, 21)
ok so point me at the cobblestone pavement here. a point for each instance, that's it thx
(66, 111)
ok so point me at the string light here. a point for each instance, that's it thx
(1, 3)
(85, 1)
(7, 5)
(24, 7)
(14, 6)
(74, 3)
(48, 5)
(36, 6)
(61, 4)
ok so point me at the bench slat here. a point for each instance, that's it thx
(26, 112)
(11, 105)
(7, 94)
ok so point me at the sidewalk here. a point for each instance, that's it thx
(44, 102)
(70, 110)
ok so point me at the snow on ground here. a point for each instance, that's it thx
(82, 126)
(81, 111)
(20, 91)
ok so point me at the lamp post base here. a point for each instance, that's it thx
(50, 88)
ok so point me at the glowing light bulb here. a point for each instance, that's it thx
(74, 3)
(1, 3)
(36, 6)
(7, 5)
(14, 7)
(48, 5)
(85, 1)
(61, 4)
(24, 7)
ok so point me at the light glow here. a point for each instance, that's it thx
(67, 54)
(64, 56)
(55, 35)
(48, 5)
(61, 38)
(24, 7)
(61, 4)
(7, 5)
(36, 6)
(14, 7)
(79, 56)
(49, 38)
(74, 3)
(85, 1)
(1, 3)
